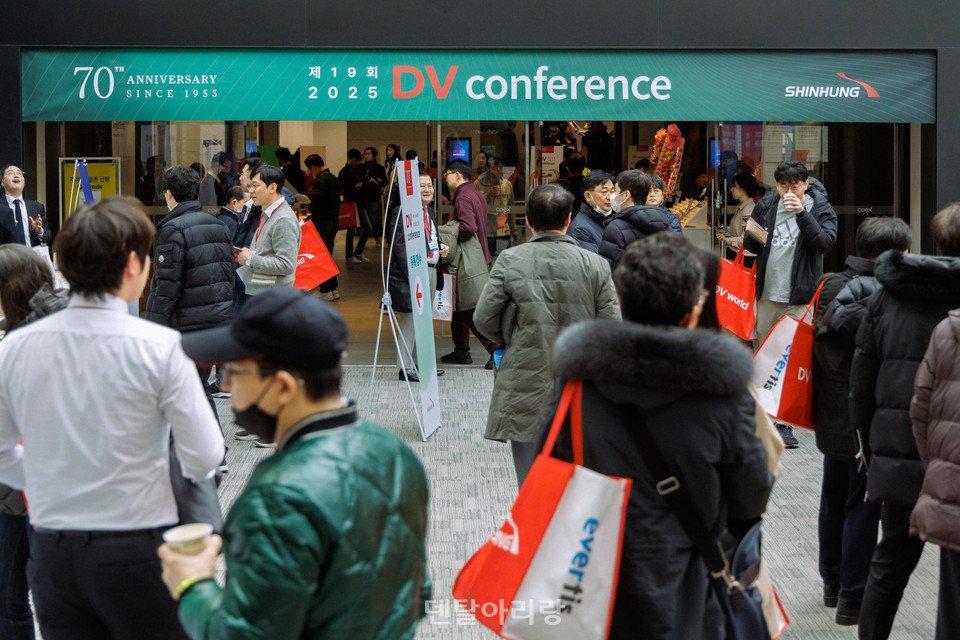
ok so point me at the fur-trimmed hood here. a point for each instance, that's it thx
(667, 359)
(916, 276)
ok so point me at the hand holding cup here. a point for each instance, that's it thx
(189, 551)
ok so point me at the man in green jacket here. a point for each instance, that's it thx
(327, 538)
(535, 290)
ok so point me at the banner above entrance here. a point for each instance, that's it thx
(202, 84)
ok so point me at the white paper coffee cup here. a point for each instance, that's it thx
(188, 539)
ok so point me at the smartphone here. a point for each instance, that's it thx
(237, 249)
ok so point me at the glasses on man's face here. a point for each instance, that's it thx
(603, 192)
(254, 185)
(14, 172)
(797, 188)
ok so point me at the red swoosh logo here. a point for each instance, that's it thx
(871, 92)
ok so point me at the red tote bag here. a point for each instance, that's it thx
(783, 367)
(348, 215)
(315, 265)
(736, 295)
(551, 569)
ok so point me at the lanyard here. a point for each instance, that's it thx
(264, 215)
(256, 236)
(427, 231)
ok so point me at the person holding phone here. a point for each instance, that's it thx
(744, 188)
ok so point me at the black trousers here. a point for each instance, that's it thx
(948, 608)
(327, 230)
(462, 327)
(894, 559)
(847, 528)
(98, 586)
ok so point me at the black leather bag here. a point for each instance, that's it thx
(733, 581)
(196, 501)
(11, 501)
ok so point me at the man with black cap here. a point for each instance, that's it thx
(327, 538)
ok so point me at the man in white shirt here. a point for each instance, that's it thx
(271, 260)
(22, 221)
(94, 455)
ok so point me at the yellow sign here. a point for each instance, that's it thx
(104, 182)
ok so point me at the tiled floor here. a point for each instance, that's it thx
(472, 482)
(472, 487)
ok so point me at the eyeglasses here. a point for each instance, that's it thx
(796, 188)
(14, 172)
(602, 192)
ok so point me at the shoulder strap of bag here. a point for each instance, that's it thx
(814, 303)
(669, 487)
(571, 401)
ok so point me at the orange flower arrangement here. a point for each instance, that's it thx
(667, 155)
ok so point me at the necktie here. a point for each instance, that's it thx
(19, 224)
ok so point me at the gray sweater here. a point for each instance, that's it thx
(275, 249)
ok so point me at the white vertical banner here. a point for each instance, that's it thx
(421, 297)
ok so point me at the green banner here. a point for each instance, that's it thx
(202, 84)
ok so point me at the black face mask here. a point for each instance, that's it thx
(256, 420)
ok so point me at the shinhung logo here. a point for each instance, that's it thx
(507, 537)
(827, 91)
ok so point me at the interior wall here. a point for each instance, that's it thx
(378, 134)
(125, 148)
(914, 217)
(295, 133)
(332, 134)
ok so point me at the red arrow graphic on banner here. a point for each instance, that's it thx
(419, 296)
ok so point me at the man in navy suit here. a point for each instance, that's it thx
(22, 221)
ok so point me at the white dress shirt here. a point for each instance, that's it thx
(94, 393)
(24, 218)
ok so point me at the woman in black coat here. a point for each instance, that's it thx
(690, 390)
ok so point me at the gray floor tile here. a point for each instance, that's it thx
(472, 487)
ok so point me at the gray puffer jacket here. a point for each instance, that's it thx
(534, 291)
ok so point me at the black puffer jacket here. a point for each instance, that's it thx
(818, 233)
(839, 313)
(630, 225)
(918, 292)
(691, 388)
(193, 271)
(230, 218)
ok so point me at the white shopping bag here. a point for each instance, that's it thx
(443, 300)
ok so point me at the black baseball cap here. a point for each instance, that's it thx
(283, 325)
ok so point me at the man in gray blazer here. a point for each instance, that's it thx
(271, 259)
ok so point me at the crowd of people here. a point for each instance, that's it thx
(329, 536)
